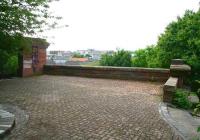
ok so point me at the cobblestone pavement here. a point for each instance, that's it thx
(65, 108)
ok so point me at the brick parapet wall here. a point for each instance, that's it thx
(131, 73)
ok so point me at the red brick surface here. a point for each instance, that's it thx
(38, 68)
(27, 72)
(42, 60)
(74, 108)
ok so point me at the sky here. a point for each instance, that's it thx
(111, 24)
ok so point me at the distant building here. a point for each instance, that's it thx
(79, 59)
(58, 57)
(57, 53)
(65, 57)
(94, 54)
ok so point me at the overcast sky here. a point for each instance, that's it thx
(111, 24)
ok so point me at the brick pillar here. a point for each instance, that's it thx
(27, 64)
(180, 70)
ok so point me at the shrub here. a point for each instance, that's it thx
(78, 55)
(196, 110)
(180, 99)
(139, 58)
(106, 60)
(147, 57)
(11, 66)
(10, 47)
(195, 87)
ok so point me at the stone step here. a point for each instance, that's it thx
(182, 122)
(7, 122)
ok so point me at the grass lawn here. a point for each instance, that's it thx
(94, 63)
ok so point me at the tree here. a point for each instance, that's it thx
(9, 49)
(139, 58)
(106, 60)
(181, 39)
(88, 56)
(121, 58)
(147, 57)
(19, 18)
(24, 16)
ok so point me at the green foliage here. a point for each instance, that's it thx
(147, 57)
(11, 66)
(37, 41)
(24, 16)
(93, 63)
(19, 18)
(181, 39)
(180, 99)
(198, 129)
(196, 110)
(106, 60)
(121, 58)
(88, 55)
(9, 47)
(196, 86)
(139, 58)
(78, 55)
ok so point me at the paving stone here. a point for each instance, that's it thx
(71, 108)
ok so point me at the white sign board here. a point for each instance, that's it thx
(27, 64)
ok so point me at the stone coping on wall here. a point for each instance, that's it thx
(180, 67)
(169, 89)
(133, 73)
(159, 70)
(177, 62)
(171, 83)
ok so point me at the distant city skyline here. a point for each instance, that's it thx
(111, 24)
(78, 57)
(76, 50)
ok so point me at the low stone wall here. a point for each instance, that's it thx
(132, 73)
